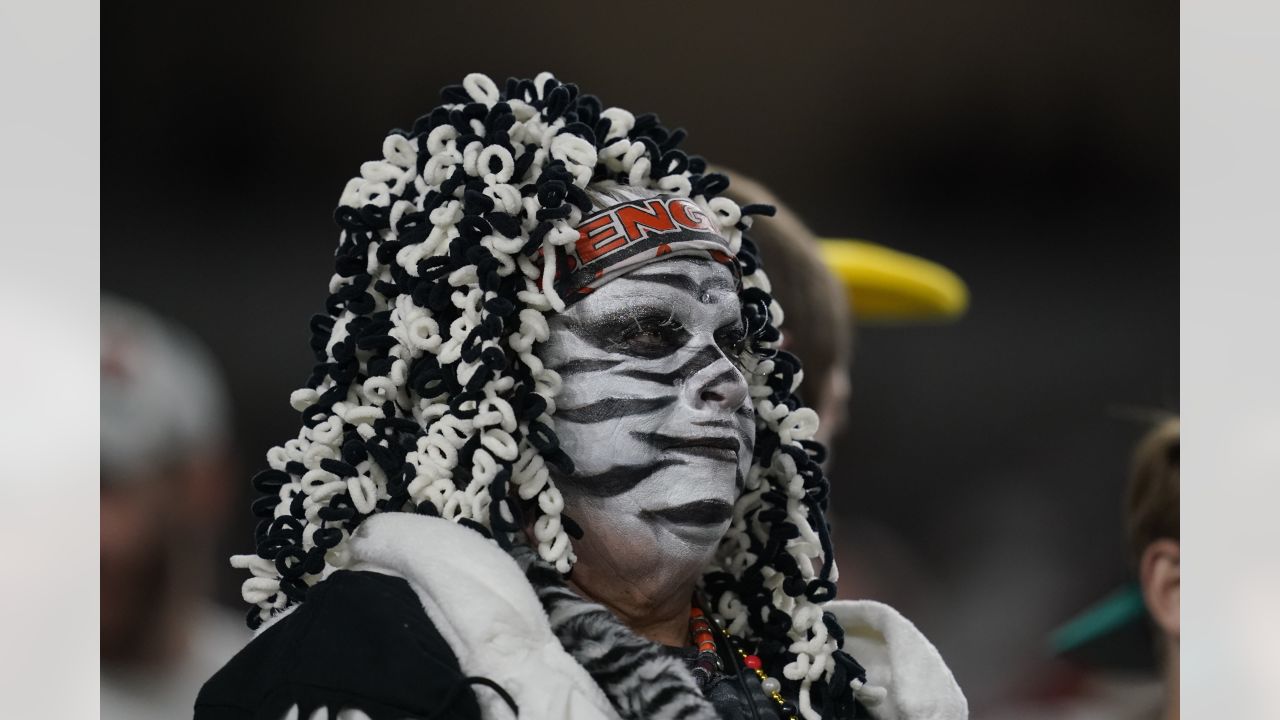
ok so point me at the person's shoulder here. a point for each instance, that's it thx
(361, 640)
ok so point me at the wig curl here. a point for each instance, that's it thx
(429, 396)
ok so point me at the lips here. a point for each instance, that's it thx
(699, 513)
(718, 448)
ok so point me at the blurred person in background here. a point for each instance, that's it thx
(1153, 508)
(819, 325)
(829, 286)
(165, 487)
(1120, 656)
(833, 284)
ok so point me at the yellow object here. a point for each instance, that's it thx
(891, 286)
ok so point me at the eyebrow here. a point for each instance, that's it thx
(684, 282)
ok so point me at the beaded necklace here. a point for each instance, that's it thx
(708, 664)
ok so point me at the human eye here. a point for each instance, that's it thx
(732, 339)
(651, 333)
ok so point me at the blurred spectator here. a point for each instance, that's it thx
(1152, 508)
(165, 487)
(817, 325)
(1121, 659)
(823, 287)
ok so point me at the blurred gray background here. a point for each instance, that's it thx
(1030, 147)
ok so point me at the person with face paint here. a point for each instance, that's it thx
(552, 464)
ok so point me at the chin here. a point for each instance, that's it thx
(647, 552)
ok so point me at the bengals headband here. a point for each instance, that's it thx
(634, 233)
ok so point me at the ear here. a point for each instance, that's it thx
(1161, 579)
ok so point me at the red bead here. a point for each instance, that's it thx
(752, 661)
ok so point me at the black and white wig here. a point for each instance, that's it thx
(429, 395)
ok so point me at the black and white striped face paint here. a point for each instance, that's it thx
(655, 414)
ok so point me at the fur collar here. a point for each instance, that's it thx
(480, 602)
(486, 609)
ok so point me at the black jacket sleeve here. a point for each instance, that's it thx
(361, 640)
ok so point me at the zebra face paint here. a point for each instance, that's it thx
(654, 412)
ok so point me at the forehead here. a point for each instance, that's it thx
(679, 279)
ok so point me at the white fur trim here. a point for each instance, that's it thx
(906, 677)
(486, 610)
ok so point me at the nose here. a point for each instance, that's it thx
(717, 385)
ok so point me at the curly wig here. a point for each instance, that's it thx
(429, 396)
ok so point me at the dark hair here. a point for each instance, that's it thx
(1152, 497)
